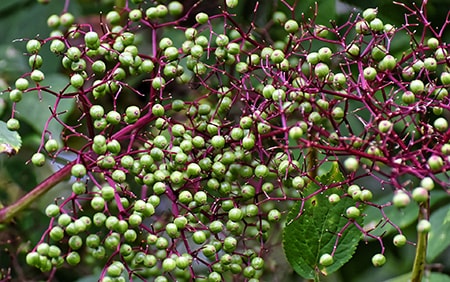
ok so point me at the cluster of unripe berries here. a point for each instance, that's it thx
(164, 186)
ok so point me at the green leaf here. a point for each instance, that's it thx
(10, 141)
(308, 236)
(439, 236)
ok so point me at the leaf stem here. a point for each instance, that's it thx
(421, 250)
(7, 213)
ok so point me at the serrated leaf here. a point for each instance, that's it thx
(439, 236)
(10, 141)
(315, 231)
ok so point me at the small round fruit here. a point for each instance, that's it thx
(33, 46)
(132, 113)
(78, 170)
(408, 97)
(21, 84)
(52, 210)
(51, 145)
(199, 237)
(427, 183)
(326, 260)
(441, 124)
(296, 132)
(378, 260)
(369, 14)
(334, 198)
(370, 73)
(401, 199)
(399, 240)
(351, 164)
(366, 195)
(202, 18)
(384, 126)
(321, 70)
(13, 124)
(416, 86)
(38, 159)
(420, 194)
(37, 76)
(232, 3)
(353, 212)
(291, 26)
(235, 214)
(73, 258)
(423, 226)
(435, 163)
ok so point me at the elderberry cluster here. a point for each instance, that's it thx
(226, 130)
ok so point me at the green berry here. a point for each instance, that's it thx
(408, 97)
(277, 56)
(353, 50)
(57, 46)
(37, 76)
(351, 164)
(13, 124)
(135, 15)
(199, 237)
(274, 215)
(366, 195)
(401, 199)
(441, 124)
(416, 86)
(370, 14)
(51, 145)
(38, 159)
(427, 183)
(33, 46)
(441, 54)
(66, 19)
(218, 142)
(291, 26)
(384, 126)
(378, 260)
(52, 210)
(320, 31)
(73, 258)
(295, 132)
(235, 214)
(76, 80)
(399, 240)
(353, 212)
(232, 3)
(370, 73)
(175, 8)
(435, 163)
(326, 260)
(21, 84)
(376, 25)
(202, 18)
(334, 198)
(420, 194)
(132, 113)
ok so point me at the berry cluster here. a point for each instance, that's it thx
(193, 181)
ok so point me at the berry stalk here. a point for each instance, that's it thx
(421, 250)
